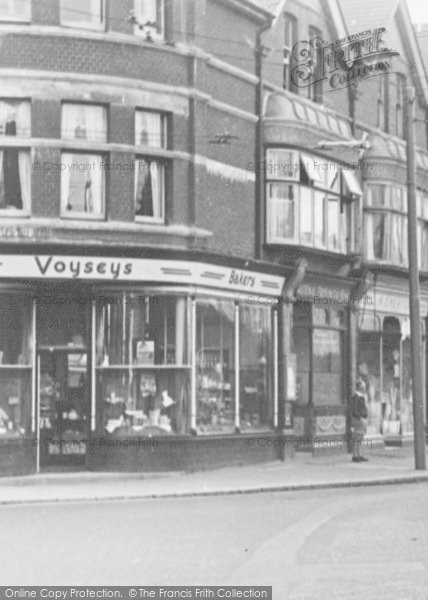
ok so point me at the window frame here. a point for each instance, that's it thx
(164, 126)
(86, 140)
(81, 215)
(18, 19)
(315, 91)
(164, 169)
(150, 33)
(84, 24)
(309, 181)
(290, 23)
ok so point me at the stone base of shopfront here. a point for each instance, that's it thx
(186, 453)
(17, 457)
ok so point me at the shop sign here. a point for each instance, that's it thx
(393, 305)
(319, 294)
(137, 270)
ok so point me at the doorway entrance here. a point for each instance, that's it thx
(63, 388)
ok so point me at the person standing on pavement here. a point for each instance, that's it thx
(358, 420)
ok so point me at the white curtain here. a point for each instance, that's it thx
(73, 123)
(95, 123)
(23, 119)
(97, 180)
(67, 161)
(148, 129)
(24, 162)
(156, 172)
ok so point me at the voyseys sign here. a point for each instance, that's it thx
(13, 266)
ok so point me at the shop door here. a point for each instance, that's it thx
(63, 407)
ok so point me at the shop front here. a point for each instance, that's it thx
(320, 338)
(384, 363)
(136, 364)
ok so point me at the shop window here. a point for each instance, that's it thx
(255, 364)
(141, 357)
(150, 19)
(149, 189)
(84, 122)
(310, 202)
(85, 14)
(15, 118)
(289, 41)
(318, 344)
(15, 365)
(15, 10)
(215, 359)
(385, 223)
(82, 186)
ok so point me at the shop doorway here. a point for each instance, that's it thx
(63, 384)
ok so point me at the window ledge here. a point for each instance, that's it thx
(10, 213)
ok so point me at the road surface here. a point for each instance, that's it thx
(368, 543)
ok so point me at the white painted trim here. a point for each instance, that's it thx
(34, 382)
(221, 65)
(228, 172)
(37, 431)
(237, 112)
(193, 371)
(113, 226)
(237, 374)
(275, 368)
(93, 371)
(98, 268)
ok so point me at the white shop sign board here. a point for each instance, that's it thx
(16, 266)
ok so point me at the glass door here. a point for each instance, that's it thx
(63, 406)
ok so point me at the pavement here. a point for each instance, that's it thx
(386, 466)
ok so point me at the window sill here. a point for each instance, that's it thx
(17, 20)
(11, 213)
(150, 220)
(73, 25)
(82, 217)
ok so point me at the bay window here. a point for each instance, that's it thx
(15, 10)
(84, 14)
(385, 223)
(309, 202)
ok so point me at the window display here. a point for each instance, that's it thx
(215, 360)
(15, 365)
(142, 368)
(255, 364)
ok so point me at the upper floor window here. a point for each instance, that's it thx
(82, 185)
(310, 201)
(15, 10)
(84, 122)
(315, 89)
(15, 117)
(85, 14)
(289, 41)
(150, 129)
(150, 171)
(150, 18)
(385, 223)
(15, 162)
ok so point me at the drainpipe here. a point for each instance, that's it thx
(259, 212)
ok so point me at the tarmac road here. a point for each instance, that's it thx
(368, 543)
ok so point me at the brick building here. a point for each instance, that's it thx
(165, 295)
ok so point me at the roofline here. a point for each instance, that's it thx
(410, 32)
(251, 9)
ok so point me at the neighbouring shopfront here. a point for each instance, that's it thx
(384, 362)
(135, 364)
(320, 340)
